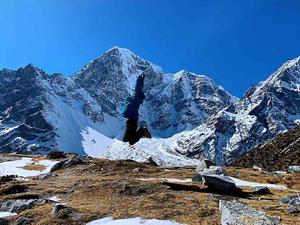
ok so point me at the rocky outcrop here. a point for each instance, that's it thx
(236, 213)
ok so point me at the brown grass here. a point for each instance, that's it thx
(37, 167)
(110, 188)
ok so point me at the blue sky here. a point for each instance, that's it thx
(236, 43)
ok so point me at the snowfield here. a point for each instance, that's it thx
(14, 167)
(132, 221)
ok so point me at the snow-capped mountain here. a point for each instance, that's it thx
(41, 112)
(173, 102)
(271, 107)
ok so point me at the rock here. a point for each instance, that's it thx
(56, 155)
(136, 170)
(7, 178)
(13, 189)
(19, 205)
(219, 183)
(293, 209)
(213, 170)
(275, 220)
(293, 202)
(22, 221)
(293, 169)
(261, 191)
(61, 211)
(197, 178)
(257, 168)
(204, 164)
(44, 176)
(236, 213)
(150, 161)
(66, 163)
(3, 221)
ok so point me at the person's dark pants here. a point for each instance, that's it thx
(132, 133)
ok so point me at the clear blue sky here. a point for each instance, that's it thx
(236, 43)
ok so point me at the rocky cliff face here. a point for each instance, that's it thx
(267, 109)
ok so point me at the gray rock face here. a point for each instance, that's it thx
(236, 213)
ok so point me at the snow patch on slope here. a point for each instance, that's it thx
(132, 221)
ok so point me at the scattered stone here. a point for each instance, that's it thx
(3, 221)
(219, 183)
(19, 205)
(136, 170)
(236, 213)
(7, 178)
(61, 211)
(56, 155)
(293, 202)
(292, 209)
(197, 178)
(261, 191)
(44, 176)
(22, 221)
(66, 163)
(204, 164)
(293, 169)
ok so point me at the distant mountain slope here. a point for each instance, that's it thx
(277, 154)
(41, 112)
(266, 110)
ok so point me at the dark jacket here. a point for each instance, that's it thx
(131, 109)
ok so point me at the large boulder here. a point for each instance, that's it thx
(219, 183)
(236, 213)
(212, 170)
(204, 164)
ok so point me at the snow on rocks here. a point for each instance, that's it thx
(293, 169)
(236, 213)
(242, 183)
(15, 167)
(4, 214)
(132, 221)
